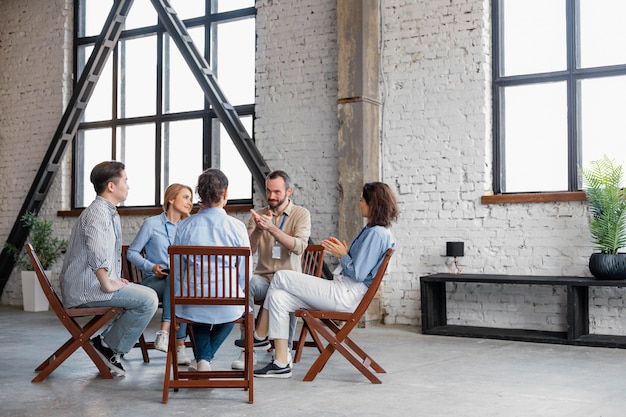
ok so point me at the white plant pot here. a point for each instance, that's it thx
(32, 294)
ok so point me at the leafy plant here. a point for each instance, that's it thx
(607, 202)
(47, 248)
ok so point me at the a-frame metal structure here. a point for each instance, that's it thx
(68, 126)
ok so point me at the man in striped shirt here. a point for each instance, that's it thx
(91, 273)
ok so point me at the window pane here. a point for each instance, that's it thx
(128, 104)
(99, 104)
(235, 60)
(142, 13)
(227, 5)
(186, 9)
(534, 36)
(602, 32)
(95, 12)
(602, 119)
(535, 138)
(182, 141)
(137, 81)
(233, 165)
(97, 145)
(181, 90)
(136, 148)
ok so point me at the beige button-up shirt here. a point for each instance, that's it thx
(297, 223)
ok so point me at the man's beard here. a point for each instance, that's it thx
(275, 206)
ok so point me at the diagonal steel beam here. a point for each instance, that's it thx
(106, 42)
(224, 110)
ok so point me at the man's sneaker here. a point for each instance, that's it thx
(161, 340)
(271, 370)
(110, 358)
(240, 362)
(259, 344)
(181, 355)
(202, 366)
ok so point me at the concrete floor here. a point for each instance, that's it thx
(426, 375)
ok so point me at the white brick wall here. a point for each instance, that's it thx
(436, 149)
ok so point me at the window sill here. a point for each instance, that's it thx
(533, 197)
(152, 211)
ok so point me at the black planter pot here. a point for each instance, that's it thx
(607, 266)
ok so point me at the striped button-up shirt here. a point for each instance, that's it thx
(95, 242)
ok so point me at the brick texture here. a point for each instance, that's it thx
(436, 149)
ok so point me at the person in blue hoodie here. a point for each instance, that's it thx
(211, 226)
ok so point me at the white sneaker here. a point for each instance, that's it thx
(202, 366)
(181, 355)
(240, 362)
(161, 340)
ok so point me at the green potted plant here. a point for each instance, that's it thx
(48, 249)
(603, 182)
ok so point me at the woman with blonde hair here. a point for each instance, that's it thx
(154, 237)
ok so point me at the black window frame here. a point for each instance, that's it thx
(571, 75)
(210, 156)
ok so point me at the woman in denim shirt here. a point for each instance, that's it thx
(155, 235)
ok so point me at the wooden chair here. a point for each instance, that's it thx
(133, 274)
(323, 325)
(312, 264)
(80, 334)
(208, 276)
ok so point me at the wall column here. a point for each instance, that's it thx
(358, 111)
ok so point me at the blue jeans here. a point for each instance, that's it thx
(162, 288)
(258, 289)
(139, 304)
(208, 339)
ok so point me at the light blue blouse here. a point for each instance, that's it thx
(212, 227)
(366, 253)
(155, 235)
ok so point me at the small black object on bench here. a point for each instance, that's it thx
(434, 313)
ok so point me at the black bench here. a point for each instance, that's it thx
(434, 310)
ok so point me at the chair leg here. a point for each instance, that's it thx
(335, 342)
(80, 338)
(300, 343)
(144, 348)
(166, 378)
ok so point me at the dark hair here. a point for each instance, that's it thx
(383, 207)
(282, 174)
(211, 185)
(105, 172)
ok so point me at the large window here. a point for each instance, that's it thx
(559, 87)
(148, 110)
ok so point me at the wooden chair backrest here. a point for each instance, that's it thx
(313, 260)
(130, 271)
(373, 288)
(208, 275)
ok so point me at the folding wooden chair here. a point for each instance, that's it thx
(208, 276)
(312, 264)
(323, 325)
(80, 334)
